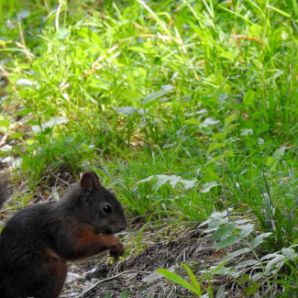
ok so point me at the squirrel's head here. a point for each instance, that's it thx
(99, 207)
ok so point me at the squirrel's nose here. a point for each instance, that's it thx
(108, 231)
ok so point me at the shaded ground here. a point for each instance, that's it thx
(136, 276)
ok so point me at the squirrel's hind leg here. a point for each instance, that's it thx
(52, 274)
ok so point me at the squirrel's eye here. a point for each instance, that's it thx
(107, 208)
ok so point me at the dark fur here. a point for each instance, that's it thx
(37, 241)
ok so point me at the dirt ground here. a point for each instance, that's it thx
(136, 276)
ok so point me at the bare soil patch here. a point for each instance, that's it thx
(136, 275)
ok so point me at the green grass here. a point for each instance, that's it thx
(204, 90)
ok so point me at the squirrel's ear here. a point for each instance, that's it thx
(89, 180)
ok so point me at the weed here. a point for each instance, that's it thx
(254, 274)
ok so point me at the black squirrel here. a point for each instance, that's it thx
(37, 241)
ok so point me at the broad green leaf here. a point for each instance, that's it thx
(276, 157)
(246, 230)
(173, 180)
(275, 264)
(246, 132)
(220, 293)
(279, 153)
(25, 83)
(209, 122)
(63, 33)
(289, 253)
(237, 253)
(155, 95)
(52, 122)
(224, 231)
(206, 187)
(127, 111)
(259, 239)
(247, 263)
(23, 14)
(227, 242)
(269, 256)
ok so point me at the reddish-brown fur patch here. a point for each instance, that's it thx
(86, 243)
(57, 268)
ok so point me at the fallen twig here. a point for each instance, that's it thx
(105, 280)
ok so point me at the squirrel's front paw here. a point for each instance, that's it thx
(117, 250)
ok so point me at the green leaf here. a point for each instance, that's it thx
(255, 30)
(25, 83)
(127, 111)
(209, 122)
(276, 157)
(237, 253)
(249, 97)
(173, 180)
(63, 33)
(259, 239)
(247, 264)
(252, 288)
(176, 279)
(224, 231)
(227, 242)
(279, 153)
(246, 230)
(4, 124)
(270, 161)
(289, 253)
(193, 279)
(275, 264)
(206, 187)
(155, 95)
